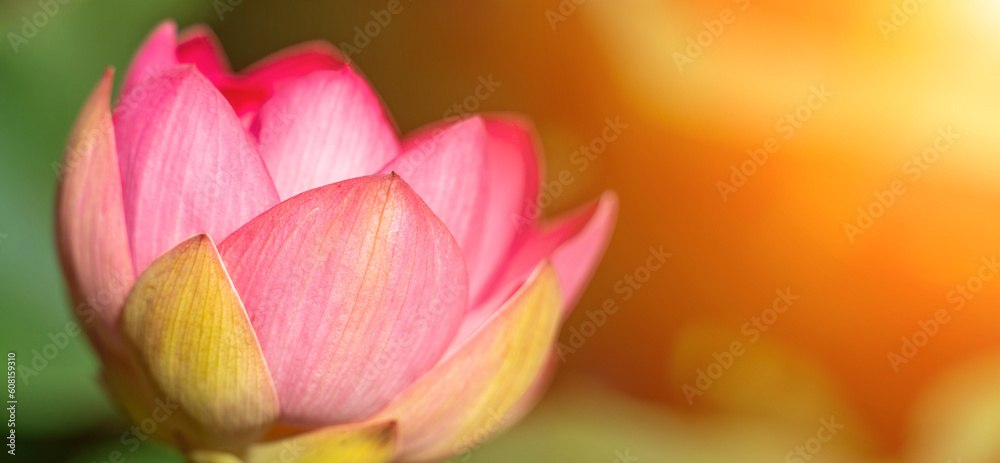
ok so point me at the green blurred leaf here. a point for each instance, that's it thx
(115, 451)
(45, 82)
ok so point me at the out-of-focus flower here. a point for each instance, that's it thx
(269, 274)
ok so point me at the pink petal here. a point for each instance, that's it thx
(514, 168)
(248, 90)
(354, 290)
(245, 91)
(156, 55)
(446, 166)
(573, 243)
(292, 63)
(199, 46)
(187, 166)
(90, 215)
(324, 128)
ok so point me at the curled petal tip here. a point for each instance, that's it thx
(167, 24)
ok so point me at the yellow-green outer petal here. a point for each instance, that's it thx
(187, 326)
(372, 444)
(465, 398)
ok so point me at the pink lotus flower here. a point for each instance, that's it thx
(268, 272)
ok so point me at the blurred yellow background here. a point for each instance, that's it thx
(825, 175)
